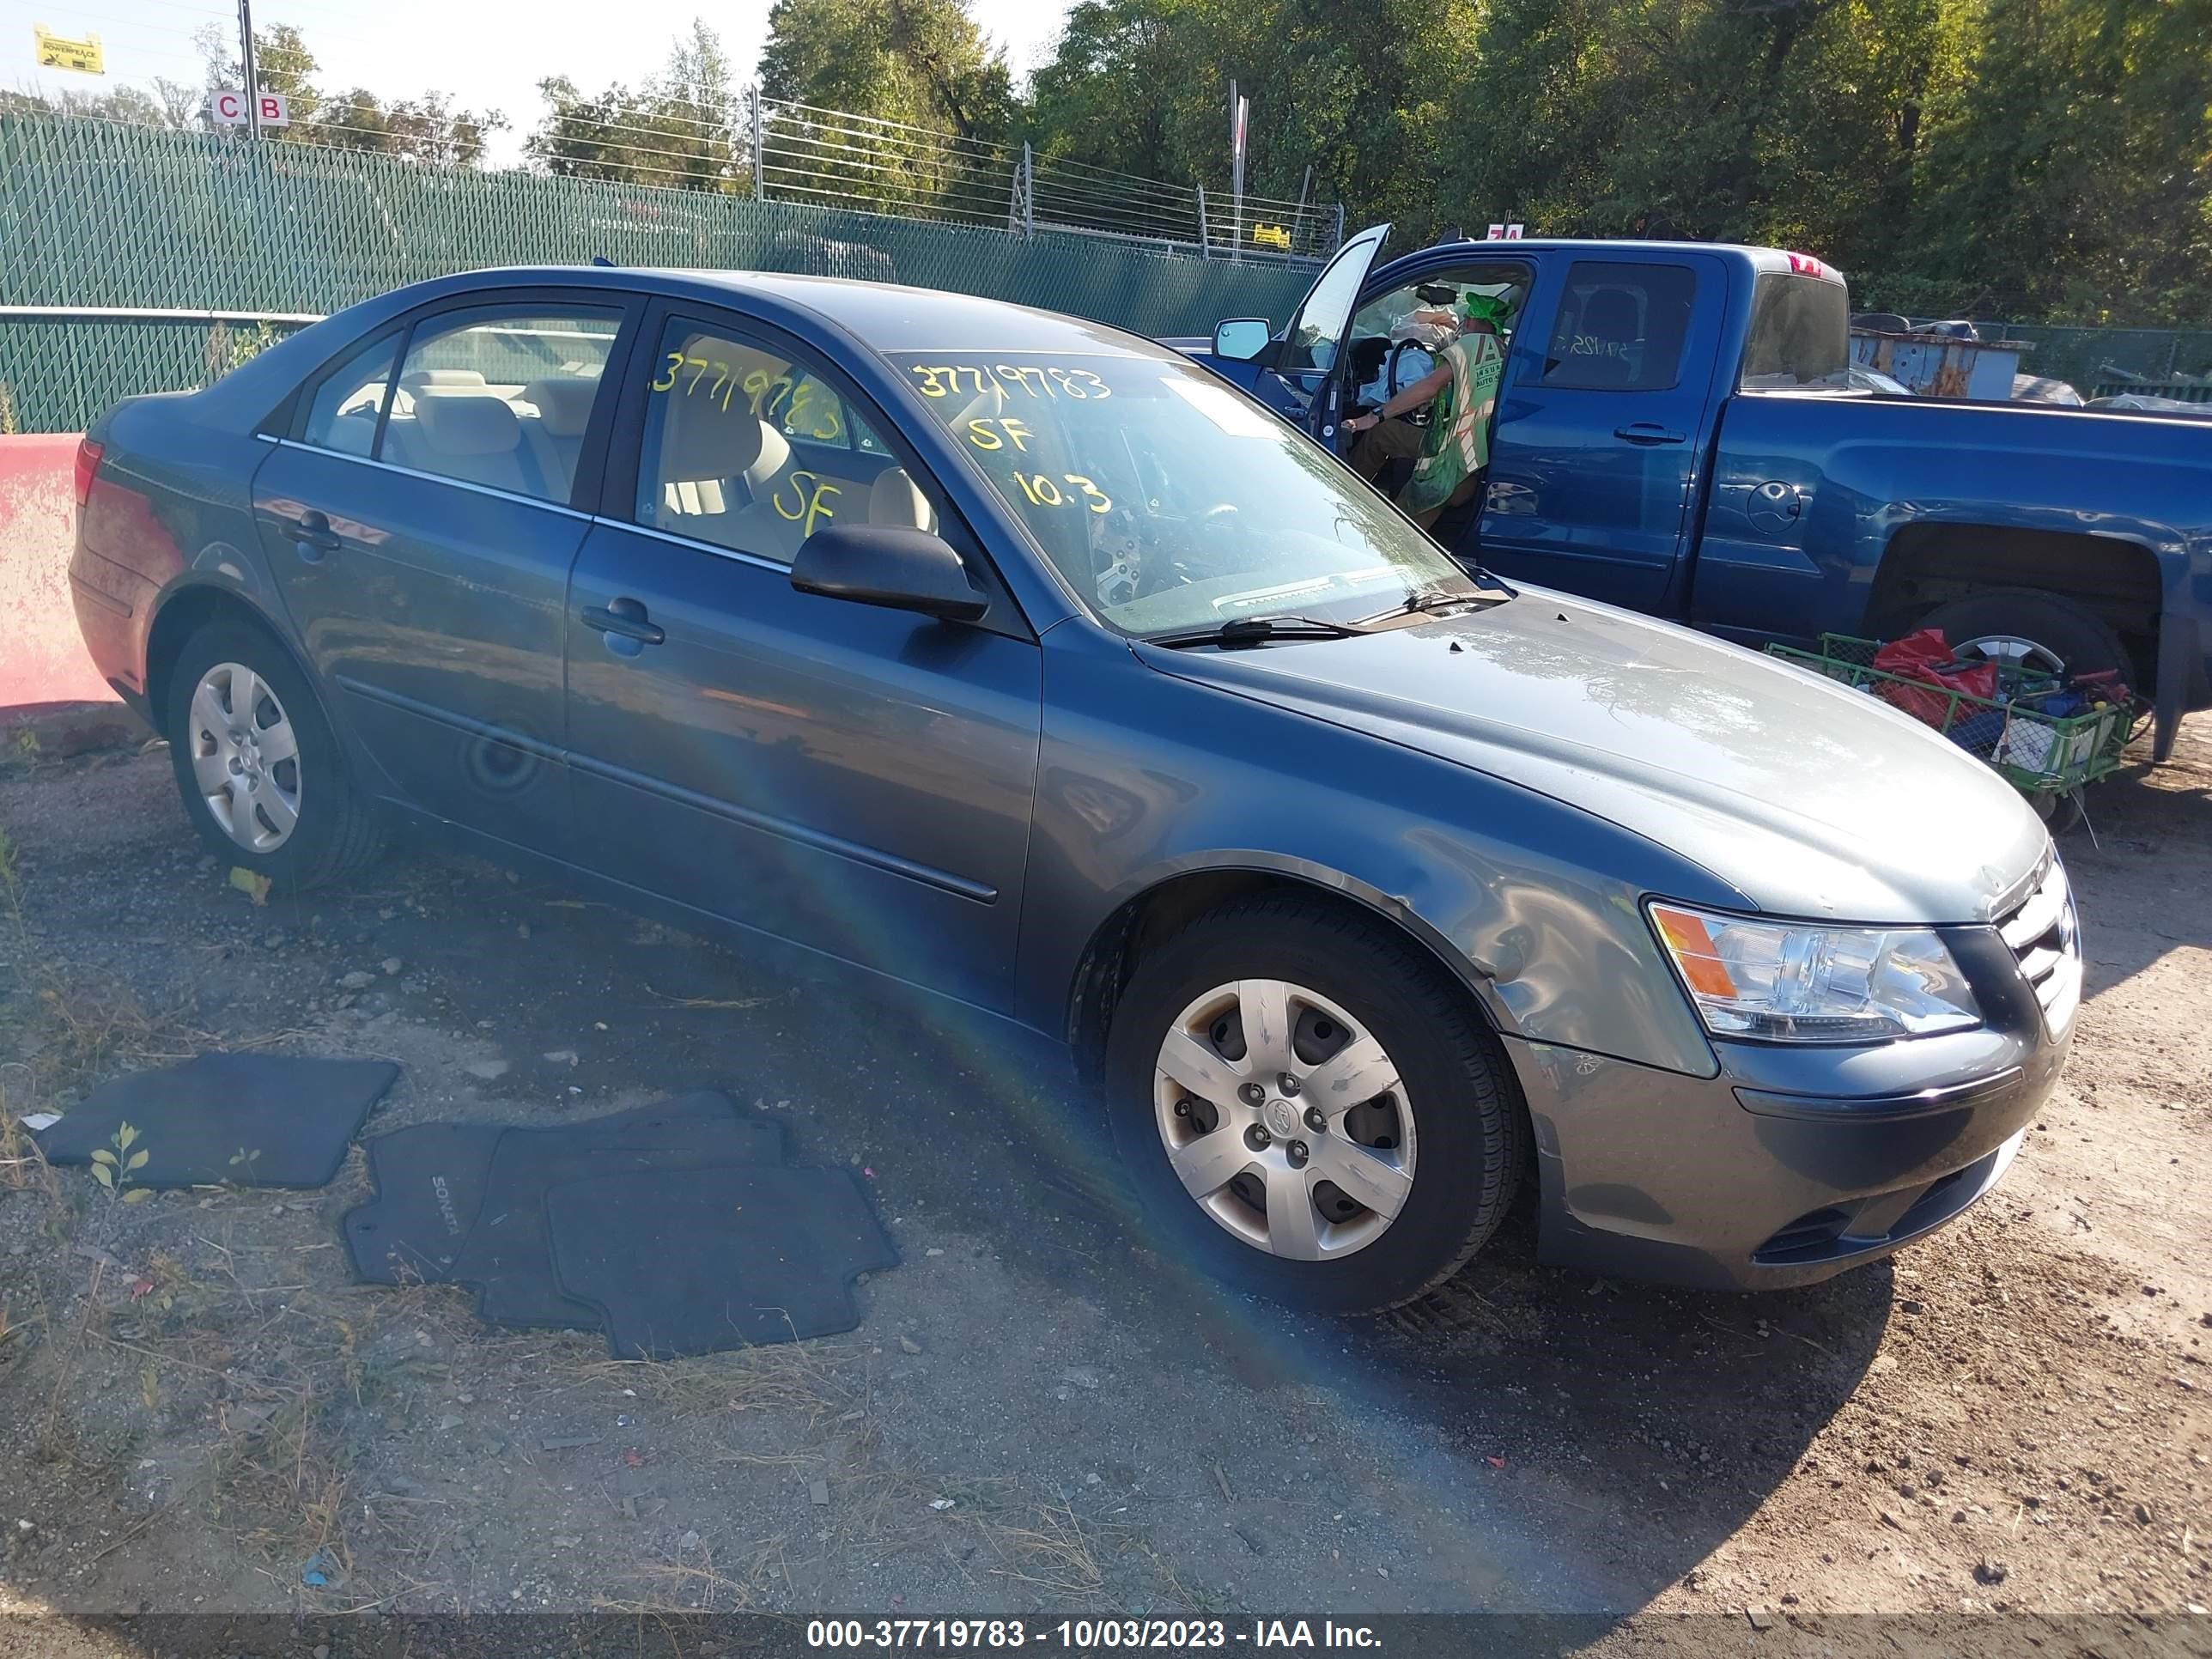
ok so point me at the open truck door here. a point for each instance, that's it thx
(1295, 373)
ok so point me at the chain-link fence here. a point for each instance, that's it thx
(2093, 360)
(94, 214)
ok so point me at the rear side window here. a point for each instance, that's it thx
(342, 416)
(1620, 327)
(501, 398)
(1801, 334)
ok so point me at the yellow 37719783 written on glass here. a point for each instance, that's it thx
(1049, 380)
(767, 395)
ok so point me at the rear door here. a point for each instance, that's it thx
(854, 779)
(1602, 427)
(419, 517)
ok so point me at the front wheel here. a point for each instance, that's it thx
(257, 763)
(1310, 1108)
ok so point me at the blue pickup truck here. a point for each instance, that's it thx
(1676, 433)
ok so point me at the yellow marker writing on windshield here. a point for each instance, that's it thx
(811, 491)
(981, 435)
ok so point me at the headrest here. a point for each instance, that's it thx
(415, 379)
(703, 440)
(893, 499)
(563, 406)
(459, 424)
(1610, 313)
(987, 407)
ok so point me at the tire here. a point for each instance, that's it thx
(2066, 634)
(332, 832)
(1456, 1115)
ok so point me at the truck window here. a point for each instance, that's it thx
(1801, 334)
(1620, 327)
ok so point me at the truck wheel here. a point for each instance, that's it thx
(257, 763)
(1311, 1110)
(2031, 630)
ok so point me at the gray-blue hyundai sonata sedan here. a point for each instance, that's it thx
(1019, 660)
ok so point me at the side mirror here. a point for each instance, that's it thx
(890, 565)
(1241, 338)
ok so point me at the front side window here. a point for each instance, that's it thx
(1620, 327)
(343, 414)
(1397, 336)
(501, 396)
(1166, 499)
(746, 448)
(1801, 334)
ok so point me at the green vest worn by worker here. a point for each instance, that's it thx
(1457, 443)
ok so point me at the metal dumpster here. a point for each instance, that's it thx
(1938, 365)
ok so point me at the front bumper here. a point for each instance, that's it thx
(1791, 1164)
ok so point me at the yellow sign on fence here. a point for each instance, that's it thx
(54, 52)
(1272, 236)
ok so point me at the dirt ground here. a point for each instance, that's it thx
(1038, 1414)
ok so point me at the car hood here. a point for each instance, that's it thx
(1806, 797)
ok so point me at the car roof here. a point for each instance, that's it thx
(891, 318)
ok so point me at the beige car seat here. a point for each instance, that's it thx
(556, 436)
(894, 499)
(476, 438)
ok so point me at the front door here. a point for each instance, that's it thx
(1296, 375)
(1599, 446)
(854, 779)
(419, 527)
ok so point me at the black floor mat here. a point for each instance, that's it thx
(246, 1120)
(693, 1262)
(506, 1256)
(464, 1202)
(429, 1185)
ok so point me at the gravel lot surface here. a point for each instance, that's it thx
(1038, 1414)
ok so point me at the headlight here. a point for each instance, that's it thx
(1801, 982)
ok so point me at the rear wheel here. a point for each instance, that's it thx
(2043, 632)
(260, 771)
(1310, 1109)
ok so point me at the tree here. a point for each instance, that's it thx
(2072, 176)
(923, 62)
(677, 129)
(422, 129)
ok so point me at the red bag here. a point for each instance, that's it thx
(1926, 657)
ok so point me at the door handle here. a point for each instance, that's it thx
(1647, 432)
(624, 618)
(312, 537)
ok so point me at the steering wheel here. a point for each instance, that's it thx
(1215, 518)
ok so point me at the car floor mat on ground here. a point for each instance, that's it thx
(222, 1119)
(435, 1183)
(693, 1262)
(506, 1256)
(429, 1185)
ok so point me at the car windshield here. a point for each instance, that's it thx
(1169, 499)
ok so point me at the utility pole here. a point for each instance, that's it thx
(1236, 109)
(245, 58)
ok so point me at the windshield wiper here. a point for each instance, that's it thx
(1254, 630)
(1434, 601)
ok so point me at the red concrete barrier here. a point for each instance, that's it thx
(42, 661)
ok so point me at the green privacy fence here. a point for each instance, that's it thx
(94, 214)
(2110, 358)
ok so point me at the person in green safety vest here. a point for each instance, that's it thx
(1462, 391)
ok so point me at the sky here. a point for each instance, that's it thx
(486, 54)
